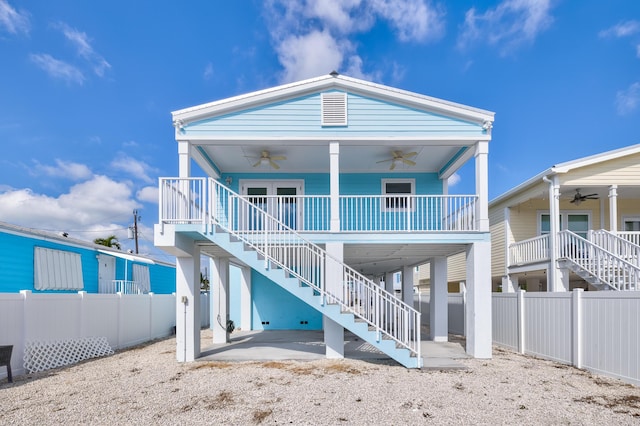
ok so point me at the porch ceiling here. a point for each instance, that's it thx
(305, 158)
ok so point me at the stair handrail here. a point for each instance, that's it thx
(615, 244)
(608, 268)
(282, 246)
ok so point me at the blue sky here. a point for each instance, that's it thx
(86, 88)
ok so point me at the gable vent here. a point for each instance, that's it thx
(334, 109)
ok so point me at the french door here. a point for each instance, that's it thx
(280, 199)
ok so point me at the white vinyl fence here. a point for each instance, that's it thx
(124, 320)
(455, 311)
(598, 331)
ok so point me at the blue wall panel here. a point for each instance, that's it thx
(282, 311)
(301, 116)
(163, 278)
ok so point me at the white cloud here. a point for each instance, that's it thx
(96, 204)
(509, 25)
(311, 37)
(208, 71)
(13, 21)
(58, 69)
(628, 100)
(136, 168)
(84, 49)
(454, 179)
(309, 55)
(622, 29)
(148, 194)
(64, 169)
(414, 20)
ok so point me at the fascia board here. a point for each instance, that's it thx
(455, 165)
(275, 94)
(428, 140)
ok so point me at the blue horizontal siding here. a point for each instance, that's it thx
(301, 116)
(17, 266)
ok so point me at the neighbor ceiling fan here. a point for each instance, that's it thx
(269, 159)
(579, 198)
(400, 158)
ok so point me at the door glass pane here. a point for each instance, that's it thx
(254, 220)
(287, 206)
(632, 225)
(578, 223)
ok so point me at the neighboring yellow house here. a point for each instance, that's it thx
(597, 229)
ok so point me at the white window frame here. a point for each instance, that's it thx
(57, 269)
(564, 214)
(633, 218)
(383, 202)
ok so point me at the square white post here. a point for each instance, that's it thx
(219, 267)
(478, 302)
(407, 284)
(576, 329)
(613, 208)
(188, 306)
(520, 307)
(439, 301)
(334, 332)
(334, 186)
(482, 186)
(245, 298)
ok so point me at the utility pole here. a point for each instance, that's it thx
(136, 218)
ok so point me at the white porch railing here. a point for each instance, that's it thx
(122, 286)
(631, 236)
(616, 244)
(182, 200)
(408, 213)
(605, 266)
(529, 251)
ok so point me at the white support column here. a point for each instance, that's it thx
(219, 298)
(334, 185)
(478, 306)
(334, 332)
(184, 159)
(388, 282)
(188, 306)
(245, 298)
(407, 284)
(439, 302)
(482, 185)
(507, 239)
(613, 208)
(510, 283)
(554, 220)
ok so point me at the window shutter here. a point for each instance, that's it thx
(57, 270)
(334, 109)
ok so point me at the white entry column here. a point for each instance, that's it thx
(613, 209)
(478, 307)
(219, 298)
(439, 301)
(188, 306)
(334, 332)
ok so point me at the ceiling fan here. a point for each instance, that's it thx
(266, 158)
(579, 198)
(400, 158)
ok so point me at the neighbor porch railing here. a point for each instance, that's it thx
(631, 236)
(617, 244)
(529, 251)
(122, 286)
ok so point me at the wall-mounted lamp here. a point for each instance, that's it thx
(229, 179)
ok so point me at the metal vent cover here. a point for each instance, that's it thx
(334, 109)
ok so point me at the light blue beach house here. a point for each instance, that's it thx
(320, 191)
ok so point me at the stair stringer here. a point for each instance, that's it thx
(305, 293)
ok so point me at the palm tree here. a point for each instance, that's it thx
(110, 241)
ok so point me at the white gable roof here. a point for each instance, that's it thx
(567, 167)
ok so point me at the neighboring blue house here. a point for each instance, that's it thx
(318, 192)
(50, 263)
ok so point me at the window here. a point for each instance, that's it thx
(141, 277)
(402, 190)
(631, 224)
(579, 223)
(57, 270)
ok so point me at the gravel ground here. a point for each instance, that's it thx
(145, 385)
